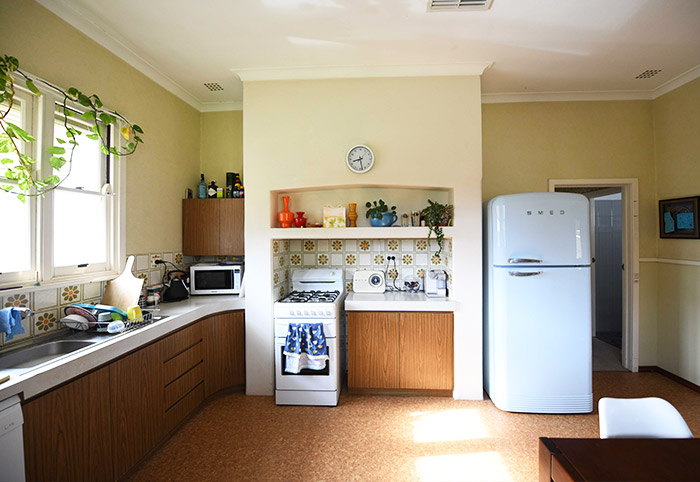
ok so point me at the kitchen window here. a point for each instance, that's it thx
(73, 233)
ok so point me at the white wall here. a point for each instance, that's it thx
(424, 132)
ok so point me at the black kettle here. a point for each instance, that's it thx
(175, 286)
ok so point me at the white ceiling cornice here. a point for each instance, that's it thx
(221, 106)
(362, 71)
(120, 47)
(672, 84)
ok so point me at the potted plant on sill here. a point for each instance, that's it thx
(437, 215)
(379, 214)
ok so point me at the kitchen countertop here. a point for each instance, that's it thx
(44, 377)
(397, 301)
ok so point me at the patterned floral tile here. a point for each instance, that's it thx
(309, 245)
(46, 321)
(392, 245)
(154, 257)
(18, 300)
(364, 245)
(421, 245)
(70, 294)
(295, 260)
(420, 273)
(379, 259)
(350, 259)
(276, 278)
(407, 259)
(275, 247)
(348, 287)
(337, 245)
(392, 273)
(323, 260)
(435, 259)
(178, 259)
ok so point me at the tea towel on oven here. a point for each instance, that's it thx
(305, 347)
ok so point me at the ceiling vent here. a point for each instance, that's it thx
(461, 5)
(648, 74)
(213, 86)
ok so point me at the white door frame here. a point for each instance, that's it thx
(630, 258)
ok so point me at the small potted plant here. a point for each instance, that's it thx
(379, 213)
(437, 215)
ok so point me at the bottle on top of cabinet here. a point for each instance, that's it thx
(211, 193)
(202, 189)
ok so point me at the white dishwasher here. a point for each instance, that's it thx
(11, 441)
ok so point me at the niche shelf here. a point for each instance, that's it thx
(356, 233)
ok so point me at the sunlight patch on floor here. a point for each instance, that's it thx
(479, 466)
(448, 425)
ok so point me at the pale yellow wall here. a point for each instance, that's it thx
(221, 145)
(424, 132)
(677, 149)
(165, 164)
(525, 144)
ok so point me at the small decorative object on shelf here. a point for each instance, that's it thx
(352, 215)
(286, 217)
(334, 217)
(437, 215)
(300, 220)
(379, 214)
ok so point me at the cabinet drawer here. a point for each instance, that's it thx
(181, 363)
(184, 407)
(180, 341)
(180, 386)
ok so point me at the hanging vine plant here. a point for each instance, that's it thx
(20, 167)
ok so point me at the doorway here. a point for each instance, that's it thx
(615, 242)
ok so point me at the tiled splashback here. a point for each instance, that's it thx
(47, 305)
(412, 257)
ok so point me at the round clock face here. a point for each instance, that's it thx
(359, 159)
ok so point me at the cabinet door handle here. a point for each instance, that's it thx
(523, 260)
(523, 273)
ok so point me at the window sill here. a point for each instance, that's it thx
(14, 288)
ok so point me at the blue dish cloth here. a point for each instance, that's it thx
(11, 322)
(305, 347)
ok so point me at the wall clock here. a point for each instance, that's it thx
(359, 159)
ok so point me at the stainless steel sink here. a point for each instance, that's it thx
(35, 355)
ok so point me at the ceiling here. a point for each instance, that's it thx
(526, 49)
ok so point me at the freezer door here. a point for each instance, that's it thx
(542, 340)
(550, 229)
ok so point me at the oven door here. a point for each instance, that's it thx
(326, 379)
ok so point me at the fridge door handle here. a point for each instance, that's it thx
(524, 273)
(523, 260)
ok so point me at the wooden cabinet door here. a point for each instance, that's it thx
(136, 389)
(200, 226)
(373, 344)
(67, 431)
(231, 224)
(223, 337)
(427, 350)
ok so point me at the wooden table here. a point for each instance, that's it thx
(581, 459)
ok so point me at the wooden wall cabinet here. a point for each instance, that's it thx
(212, 227)
(67, 431)
(400, 350)
(100, 425)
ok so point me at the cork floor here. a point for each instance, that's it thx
(235, 437)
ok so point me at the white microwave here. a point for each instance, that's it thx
(215, 279)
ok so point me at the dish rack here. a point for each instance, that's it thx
(101, 326)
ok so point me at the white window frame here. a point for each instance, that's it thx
(41, 113)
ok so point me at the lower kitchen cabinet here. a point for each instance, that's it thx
(401, 351)
(99, 426)
(67, 431)
(136, 391)
(224, 342)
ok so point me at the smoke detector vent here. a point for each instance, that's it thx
(463, 5)
(213, 86)
(648, 74)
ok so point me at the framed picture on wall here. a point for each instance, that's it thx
(678, 218)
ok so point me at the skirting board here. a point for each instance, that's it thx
(672, 376)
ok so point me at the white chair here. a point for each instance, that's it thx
(640, 418)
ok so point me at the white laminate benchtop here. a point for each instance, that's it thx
(178, 314)
(396, 301)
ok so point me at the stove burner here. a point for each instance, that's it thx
(310, 297)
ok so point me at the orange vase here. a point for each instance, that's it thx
(352, 215)
(286, 217)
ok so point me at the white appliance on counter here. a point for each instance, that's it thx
(537, 317)
(317, 296)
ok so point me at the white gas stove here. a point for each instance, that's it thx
(317, 296)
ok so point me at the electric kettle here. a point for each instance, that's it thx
(175, 286)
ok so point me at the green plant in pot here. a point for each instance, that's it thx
(437, 215)
(379, 213)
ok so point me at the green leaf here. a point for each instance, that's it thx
(6, 144)
(56, 150)
(52, 180)
(7, 161)
(32, 87)
(104, 150)
(97, 129)
(97, 101)
(69, 113)
(3, 82)
(94, 137)
(12, 63)
(130, 146)
(27, 159)
(21, 197)
(19, 133)
(73, 92)
(84, 100)
(7, 187)
(137, 129)
(57, 162)
(107, 118)
(113, 151)
(138, 139)
(60, 141)
(88, 115)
